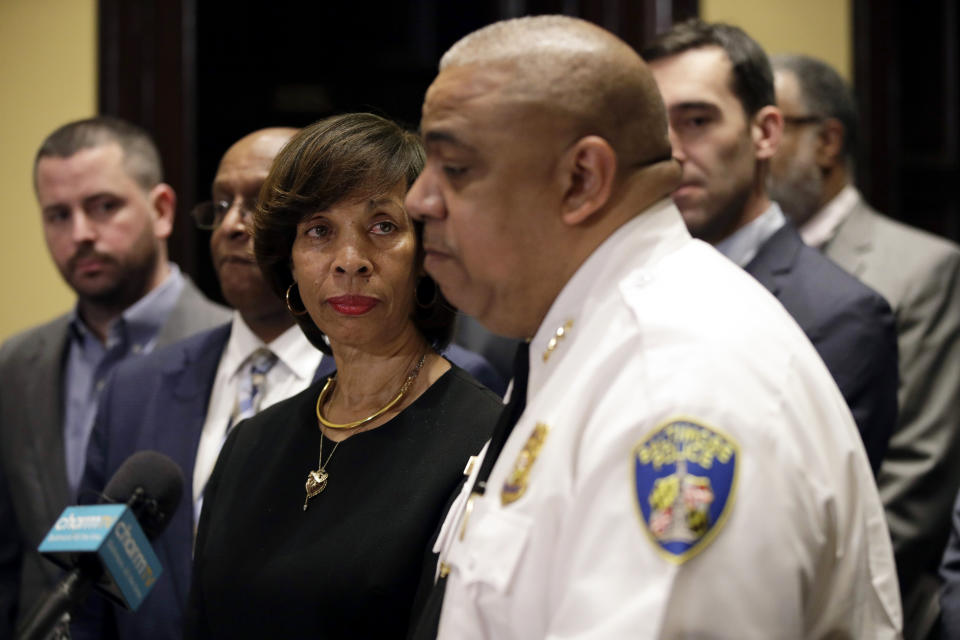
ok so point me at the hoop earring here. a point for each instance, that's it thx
(434, 294)
(290, 306)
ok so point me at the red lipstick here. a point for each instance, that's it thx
(351, 305)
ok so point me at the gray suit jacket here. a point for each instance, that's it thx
(919, 275)
(33, 480)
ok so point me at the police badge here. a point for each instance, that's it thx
(515, 485)
(685, 475)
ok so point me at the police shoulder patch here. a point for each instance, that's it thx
(685, 475)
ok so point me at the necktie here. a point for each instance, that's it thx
(252, 386)
(250, 392)
(431, 603)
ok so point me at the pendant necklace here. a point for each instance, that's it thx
(317, 478)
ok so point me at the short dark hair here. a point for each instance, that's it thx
(751, 78)
(824, 93)
(140, 156)
(347, 157)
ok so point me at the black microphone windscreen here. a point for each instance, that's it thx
(161, 481)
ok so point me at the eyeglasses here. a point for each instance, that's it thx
(209, 215)
(802, 120)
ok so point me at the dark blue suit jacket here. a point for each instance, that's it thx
(850, 325)
(159, 402)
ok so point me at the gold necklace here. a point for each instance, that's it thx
(317, 478)
(331, 382)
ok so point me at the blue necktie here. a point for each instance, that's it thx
(250, 392)
(251, 389)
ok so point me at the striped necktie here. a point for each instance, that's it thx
(252, 386)
(250, 392)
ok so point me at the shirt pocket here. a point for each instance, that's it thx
(492, 546)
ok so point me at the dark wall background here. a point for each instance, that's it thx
(907, 78)
(199, 75)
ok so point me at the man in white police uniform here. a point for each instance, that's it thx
(684, 466)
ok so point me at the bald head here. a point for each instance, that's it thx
(261, 146)
(580, 71)
(544, 136)
(242, 172)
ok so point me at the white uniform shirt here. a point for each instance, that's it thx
(660, 329)
(297, 361)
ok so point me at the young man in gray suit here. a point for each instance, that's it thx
(725, 127)
(106, 217)
(919, 274)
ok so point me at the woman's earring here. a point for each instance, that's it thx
(295, 312)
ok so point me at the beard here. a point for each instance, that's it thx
(798, 191)
(122, 281)
(714, 225)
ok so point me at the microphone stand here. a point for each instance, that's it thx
(50, 619)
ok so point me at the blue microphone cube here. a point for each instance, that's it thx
(110, 531)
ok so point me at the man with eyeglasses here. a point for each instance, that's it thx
(106, 216)
(183, 400)
(919, 274)
(725, 127)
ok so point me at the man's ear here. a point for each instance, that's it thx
(590, 167)
(830, 141)
(163, 202)
(766, 130)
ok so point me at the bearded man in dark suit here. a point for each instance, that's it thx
(106, 216)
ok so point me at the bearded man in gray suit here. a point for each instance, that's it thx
(106, 217)
(919, 275)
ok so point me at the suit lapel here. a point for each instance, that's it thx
(853, 241)
(44, 398)
(191, 314)
(186, 387)
(776, 259)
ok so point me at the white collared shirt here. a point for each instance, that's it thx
(742, 245)
(660, 332)
(822, 226)
(297, 361)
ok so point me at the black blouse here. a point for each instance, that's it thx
(349, 566)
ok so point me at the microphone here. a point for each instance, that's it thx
(151, 484)
(105, 545)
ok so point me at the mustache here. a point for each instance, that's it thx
(85, 252)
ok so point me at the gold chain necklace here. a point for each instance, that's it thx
(317, 478)
(332, 381)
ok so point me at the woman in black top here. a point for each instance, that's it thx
(320, 509)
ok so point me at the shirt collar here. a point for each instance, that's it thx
(640, 243)
(142, 320)
(291, 348)
(743, 244)
(822, 226)
(294, 350)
